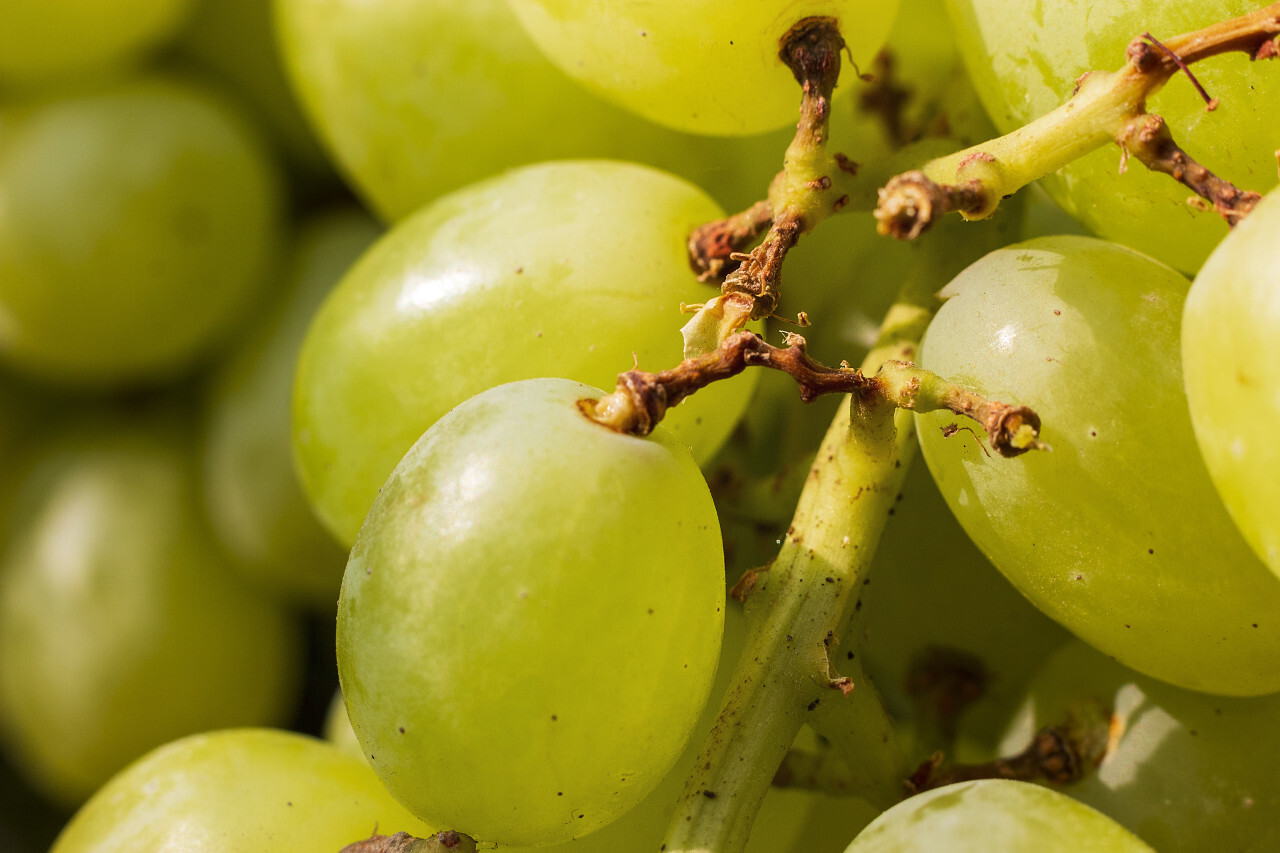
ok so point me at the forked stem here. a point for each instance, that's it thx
(1106, 107)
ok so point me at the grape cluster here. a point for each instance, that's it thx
(400, 443)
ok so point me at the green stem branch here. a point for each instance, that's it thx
(1106, 107)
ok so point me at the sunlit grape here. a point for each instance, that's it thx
(534, 607)
(1231, 358)
(1118, 533)
(564, 269)
(1024, 58)
(994, 814)
(238, 791)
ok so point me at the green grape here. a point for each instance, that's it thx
(1024, 58)
(41, 40)
(994, 814)
(564, 269)
(536, 603)
(930, 588)
(1187, 772)
(1231, 358)
(789, 819)
(696, 65)
(144, 215)
(236, 40)
(238, 791)
(418, 98)
(1117, 534)
(256, 505)
(121, 624)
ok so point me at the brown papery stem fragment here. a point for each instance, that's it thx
(641, 399)
(403, 842)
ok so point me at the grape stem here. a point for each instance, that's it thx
(1105, 107)
(823, 771)
(803, 603)
(1058, 754)
(812, 185)
(403, 842)
(641, 399)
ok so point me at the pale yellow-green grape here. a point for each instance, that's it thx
(236, 40)
(931, 589)
(531, 617)
(697, 65)
(417, 98)
(42, 40)
(1186, 771)
(255, 502)
(1024, 57)
(994, 815)
(122, 626)
(238, 791)
(1231, 359)
(789, 819)
(565, 269)
(1118, 533)
(137, 223)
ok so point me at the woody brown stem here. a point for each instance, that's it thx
(1148, 138)
(641, 399)
(403, 842)
(712, 247)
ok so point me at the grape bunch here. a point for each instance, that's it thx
(512, 425)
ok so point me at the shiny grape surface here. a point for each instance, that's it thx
(564, 269)
(149, 215)
(122, 626)
(238, 791)
(994, 814)
(1024, 58)
(1231, 358)
(1186, 771)
(254, 500)
(696, 65)
(418, 98)
(520, 558)
(1117, 533)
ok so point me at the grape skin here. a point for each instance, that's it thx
(1024, 58)
(122, 625)
(1186, 771)
(572, 269)
(690, 64)
(1231, 358)
(535, 602)
(255, 502)
(999, 814)
(238, 791)
(149, 216)
(1118, 533)
(419, 98)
